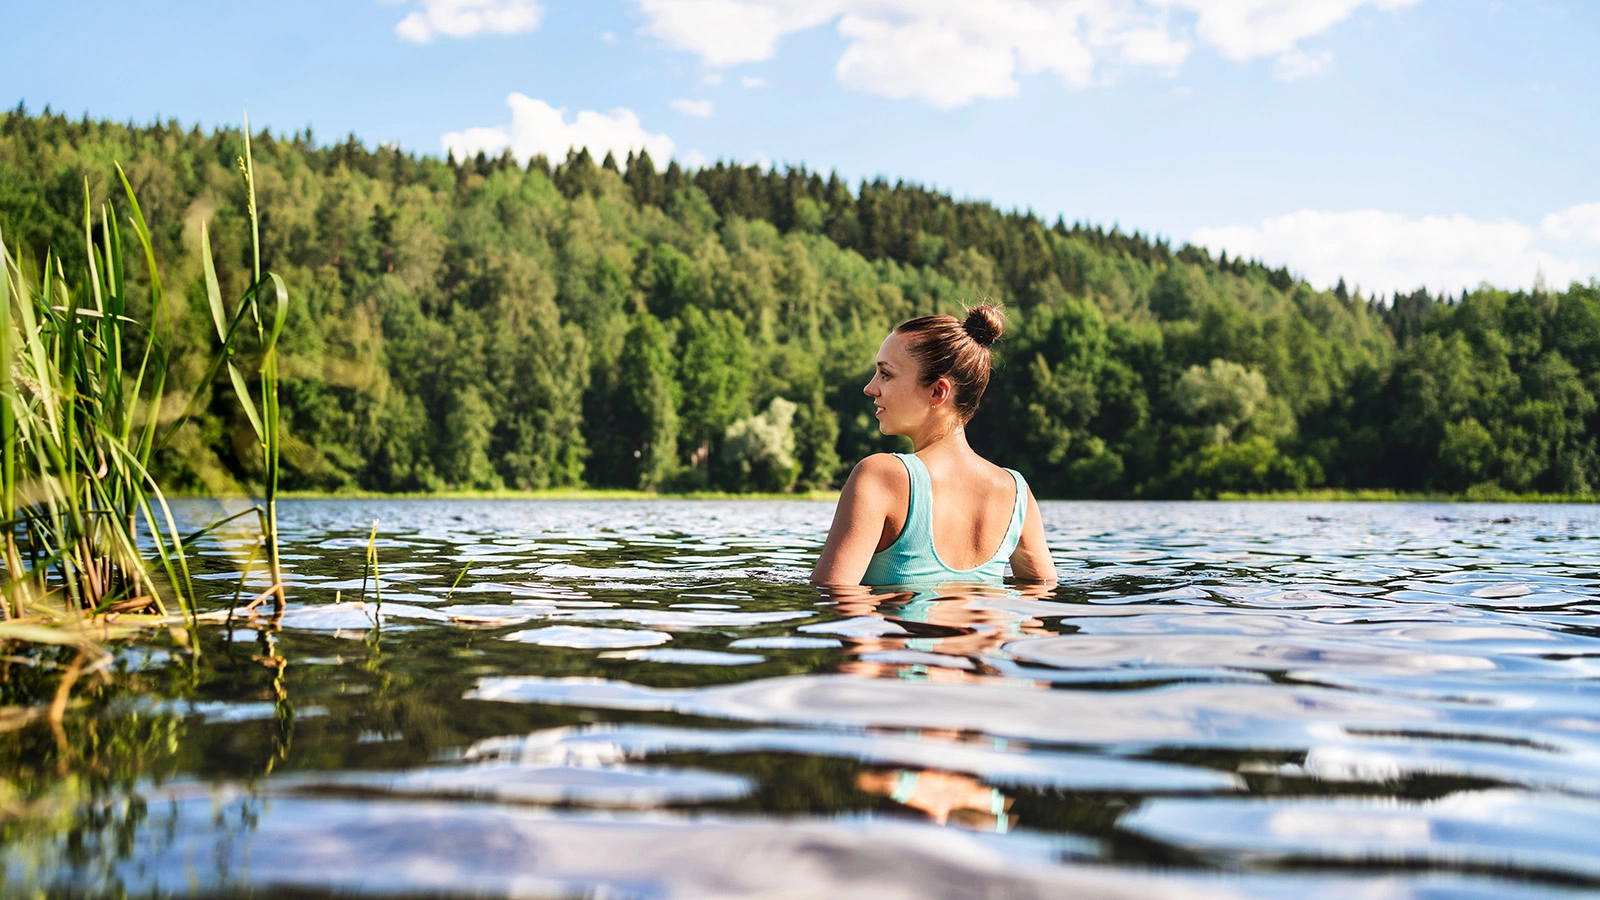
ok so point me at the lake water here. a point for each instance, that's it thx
(645, 699)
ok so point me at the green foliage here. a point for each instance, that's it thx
(480, 325)
(1255, 465)
(714, 375)
(759, 452)
(1225, 400)
(816, 436)
(648, 402)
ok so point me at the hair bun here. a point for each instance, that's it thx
(984, 323)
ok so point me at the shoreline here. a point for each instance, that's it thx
(1328, 495)
(551, 494)
(1340, 495)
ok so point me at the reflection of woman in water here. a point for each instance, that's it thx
(940, 513)
(948, 798)
(947, 634)
(956, 633)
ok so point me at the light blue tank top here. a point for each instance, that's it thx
(911, 559)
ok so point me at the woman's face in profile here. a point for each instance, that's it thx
(902, 403)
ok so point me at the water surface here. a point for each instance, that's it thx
(645, 699)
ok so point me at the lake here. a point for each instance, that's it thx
(645, 699)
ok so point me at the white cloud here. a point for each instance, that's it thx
(752, 81)
(697, 108)
(1297, 64)
(537, 127)
(1252, 29)
(1575, 223)
(608, 36)
(694, 159)
(711, 79)
(729, 32)
(466, 18)
(948, 53)
(1153, 47)
(1385, 251)
(924, 58)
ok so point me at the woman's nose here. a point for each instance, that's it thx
(871, 390)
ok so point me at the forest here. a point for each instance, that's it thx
(481, 325)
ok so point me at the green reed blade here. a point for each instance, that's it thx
(8, 422)
(250, 187)
(372, 561)
(111, 237)
(153, 415)
(280, 312)
(269, 363)
(38, 354)
(88, 246)
(213, 291)
(462, 574)
(143, 233)
(138, 382)
(217, 362)
(243, 390)
(67, 366)
(155, 348)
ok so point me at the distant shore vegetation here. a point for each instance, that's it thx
(1310, 495)
(482, 327)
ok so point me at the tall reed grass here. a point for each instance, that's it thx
(87, 529)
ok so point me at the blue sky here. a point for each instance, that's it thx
(1396, 142)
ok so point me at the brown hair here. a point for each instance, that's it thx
(947, 347)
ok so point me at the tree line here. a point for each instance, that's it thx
(479, 324)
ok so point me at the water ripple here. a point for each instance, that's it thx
(646, 699)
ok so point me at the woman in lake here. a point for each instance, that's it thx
(941, 513)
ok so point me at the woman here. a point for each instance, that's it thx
(941, 513)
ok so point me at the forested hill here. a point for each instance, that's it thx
(481, 324)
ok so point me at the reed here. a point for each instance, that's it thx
(260, 407)
(80, 384)
(372, 566)
(86, 528)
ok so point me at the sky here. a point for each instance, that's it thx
(1395, 143)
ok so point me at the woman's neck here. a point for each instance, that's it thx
(943, 436)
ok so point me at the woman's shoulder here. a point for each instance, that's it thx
(879, 480)
(881, 466)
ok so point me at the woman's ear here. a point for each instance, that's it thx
(942, 389)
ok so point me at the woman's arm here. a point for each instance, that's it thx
(1031, 560)
(859, 520)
